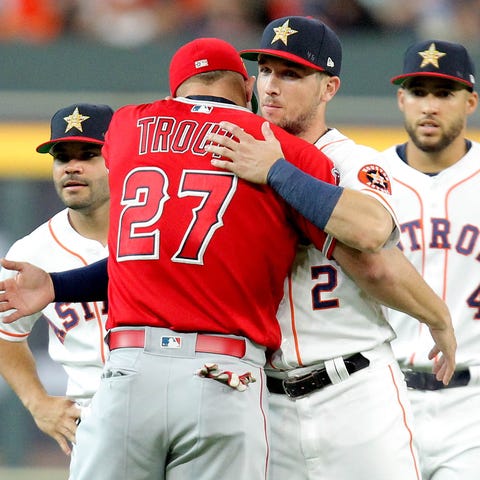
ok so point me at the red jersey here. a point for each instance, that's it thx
(194, 248)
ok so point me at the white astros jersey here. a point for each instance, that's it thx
(76, 333)
(439, 217)
(324, 314)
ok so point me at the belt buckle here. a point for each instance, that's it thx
(296, 387)
(289, 388)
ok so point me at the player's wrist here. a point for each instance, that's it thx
(313, 198)
(273, 170)
(34, 401)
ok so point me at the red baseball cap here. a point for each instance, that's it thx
(204, 55)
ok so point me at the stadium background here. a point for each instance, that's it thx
(44, 69)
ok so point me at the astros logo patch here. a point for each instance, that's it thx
(375, 177)
(171, 342)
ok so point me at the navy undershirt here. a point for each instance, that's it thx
(86, 284)
(210, 98)
(402, 153)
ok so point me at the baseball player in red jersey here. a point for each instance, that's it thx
(74, 237)
(193, 249)
(339, 406)
(437, 175)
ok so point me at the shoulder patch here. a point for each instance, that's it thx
(375, 177)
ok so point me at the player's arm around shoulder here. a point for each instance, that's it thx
(350, 216)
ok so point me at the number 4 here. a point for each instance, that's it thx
(473, 301)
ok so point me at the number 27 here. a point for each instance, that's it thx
(145, 195)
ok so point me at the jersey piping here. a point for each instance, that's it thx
(98, 316)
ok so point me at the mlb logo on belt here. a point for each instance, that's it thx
(171, 342)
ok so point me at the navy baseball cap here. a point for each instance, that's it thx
(80, 122)
(303, 40)
(436, 58)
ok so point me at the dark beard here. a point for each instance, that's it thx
(295, 128)
(445, 140)
(299, 125)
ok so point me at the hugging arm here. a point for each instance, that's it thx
(352, 217)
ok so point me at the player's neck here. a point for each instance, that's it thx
(92, 225)
(434, 162)
(314, 131)
(221, 88)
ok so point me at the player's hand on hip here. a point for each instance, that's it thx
(57, 417)
(249, 158)
(446, 344)
(28, 292)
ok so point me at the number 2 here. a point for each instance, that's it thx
(330, 282)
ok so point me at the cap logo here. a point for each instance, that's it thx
(330, 62)
(75, 120)
(282, 33)
(201, 63)
(431, 56)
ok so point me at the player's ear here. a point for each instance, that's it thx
(332, 87)
(400, 98)
(472, 102)
(249, 86)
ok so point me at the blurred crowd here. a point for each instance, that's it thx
(131, 23)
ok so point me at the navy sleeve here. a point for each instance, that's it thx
(86, 284)
(311, 197)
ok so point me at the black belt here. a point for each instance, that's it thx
(427, 381)
(316, 379)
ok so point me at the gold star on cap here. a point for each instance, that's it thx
(75, 120)
(431, 56)
(282, 33)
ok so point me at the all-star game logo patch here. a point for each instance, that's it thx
(376, 178)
